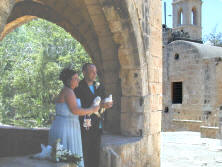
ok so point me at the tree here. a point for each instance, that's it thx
(31, 58)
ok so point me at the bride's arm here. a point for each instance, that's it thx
(70, 99)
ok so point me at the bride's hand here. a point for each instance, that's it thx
(95, 108)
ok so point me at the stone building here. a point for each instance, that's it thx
(123, 38)
(192, 83)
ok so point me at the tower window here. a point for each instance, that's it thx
(194, 16)
(177, 92)
(180, 17)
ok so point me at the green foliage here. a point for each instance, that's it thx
(31, 58)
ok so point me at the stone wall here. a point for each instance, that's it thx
(16, 141)
(184, 69)
(199, 74)
(218, 77)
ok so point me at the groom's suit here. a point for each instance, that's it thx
(91, 138)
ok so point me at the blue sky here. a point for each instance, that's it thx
(211, 15)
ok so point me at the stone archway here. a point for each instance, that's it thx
(123, 38)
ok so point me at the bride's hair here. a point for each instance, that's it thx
(66, 76)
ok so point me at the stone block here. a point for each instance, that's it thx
(155, 88)
(190, 125)
(6, 6)
(102, 30)
(111, 14)
(155, 75)
(152, 123)
(134, 104)
(115, 26)
(94, 10)
(154, 149)
(111, 77)
(155, 102)
(60, 6)
(98, 20)
(111, 65)
(132, 123)
(2, 23)
(21, 141)
(91, 2)
(124, 58)
(108, 48)
(74, 16)
(118, 39)
(134, 82)
(123, 150)
(209, 132)
(26, 161)
(114, 89)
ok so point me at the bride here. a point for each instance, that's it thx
(68, 108)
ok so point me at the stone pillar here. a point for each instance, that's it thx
(134, 101)
(5, 9)
(220, 126)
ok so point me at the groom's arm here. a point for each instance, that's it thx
(101, 93)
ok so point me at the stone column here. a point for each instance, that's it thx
(220, 125)
(5, 9)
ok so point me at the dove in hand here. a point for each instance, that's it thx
(96, 102)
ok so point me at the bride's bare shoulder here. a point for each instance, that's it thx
(68, 92)
(61, 96)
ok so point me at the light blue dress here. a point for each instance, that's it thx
(66, 127)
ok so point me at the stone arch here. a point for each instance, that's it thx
(180, 17)
(194, 16)
(107, 34)
(25, 11)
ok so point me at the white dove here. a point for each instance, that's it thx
(96, 102)
(107, 100)
(45, 154)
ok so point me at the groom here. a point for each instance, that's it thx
(91, 138)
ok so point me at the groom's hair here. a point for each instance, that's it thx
(86, 65)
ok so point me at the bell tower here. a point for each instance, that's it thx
(187, 17)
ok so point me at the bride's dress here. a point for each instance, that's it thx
(67, 128)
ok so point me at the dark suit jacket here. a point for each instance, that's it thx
(86, 96)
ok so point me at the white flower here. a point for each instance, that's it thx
(97, 85)
(60, 154)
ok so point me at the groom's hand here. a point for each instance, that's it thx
(107, 105)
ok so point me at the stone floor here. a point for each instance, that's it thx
(183, 149)
(25, 161)
(178, 149)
